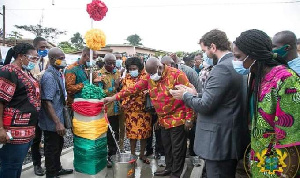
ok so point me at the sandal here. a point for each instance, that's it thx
(145, 160)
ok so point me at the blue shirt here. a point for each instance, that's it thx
(295, 65)
(50, 91)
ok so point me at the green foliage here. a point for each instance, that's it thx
(158, 54)
(14, 36)
(66, 47)
(77, 41)
(38, 30)
(180, 53)
(134, 40)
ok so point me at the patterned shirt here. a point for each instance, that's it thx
(133, 102)
(20, 94)
(51, 91)
(75, 78)
(108, 86)
(171, 112)
(277, 124)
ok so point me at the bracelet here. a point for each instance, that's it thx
(188, 121)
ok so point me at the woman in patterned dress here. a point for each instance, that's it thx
(274, 102)
(138, 122)
(19, 106)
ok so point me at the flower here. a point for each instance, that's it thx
(95, 39)
(97, 10)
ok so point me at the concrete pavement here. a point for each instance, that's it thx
(142, 170)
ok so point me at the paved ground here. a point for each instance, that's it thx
(142, 170)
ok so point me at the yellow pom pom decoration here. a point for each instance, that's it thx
(95, 39)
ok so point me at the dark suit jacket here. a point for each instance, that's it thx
(221, 128)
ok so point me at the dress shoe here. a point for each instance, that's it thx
(109, 164)
(65, 172)
(148, 153)
(162, 173)
(39, 171)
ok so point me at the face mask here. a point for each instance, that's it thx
(295, 65)
(281, 51)
(61, 63)
(29, 66)
(208, 61)
(134, 73)
(155, 77)
(119, 63)
(239, 67)
(201, 66)
(89, 64)
(43, 53)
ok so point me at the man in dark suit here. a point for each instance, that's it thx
(221, 129)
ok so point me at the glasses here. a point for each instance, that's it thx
(33, 58)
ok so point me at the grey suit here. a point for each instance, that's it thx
(221, 129)
(192, 76)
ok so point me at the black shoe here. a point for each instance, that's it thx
(109, 164)
(162, 173)
(65, 172)
(148, 153)
(39, 171)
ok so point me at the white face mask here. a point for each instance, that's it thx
(155, 77)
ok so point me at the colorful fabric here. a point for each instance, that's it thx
(277, 125)
(108, 85)
(89, 130)
(138, 122)
(171, 112)
(75, 78)
(20, 94)
(87, 108)
(90, 156)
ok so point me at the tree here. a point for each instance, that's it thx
(180, 53)
(38, 30)
(134, 40)
(77, 41)
(66, 47)
(14, 36)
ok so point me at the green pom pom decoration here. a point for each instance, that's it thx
(92, 92)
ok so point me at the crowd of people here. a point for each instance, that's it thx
(233, 104)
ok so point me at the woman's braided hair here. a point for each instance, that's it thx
(258, 45)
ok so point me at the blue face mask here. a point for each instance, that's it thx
(281, 51)
(134, 73)
(88, 64)
(43, 53)
(239, 67)
(295, 65)
(29, 66)
(119, 63)
(208, 61)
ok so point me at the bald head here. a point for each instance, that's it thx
(153, 65)
(109, 57)
(55, 53)
(287, 39)
(167, 60)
